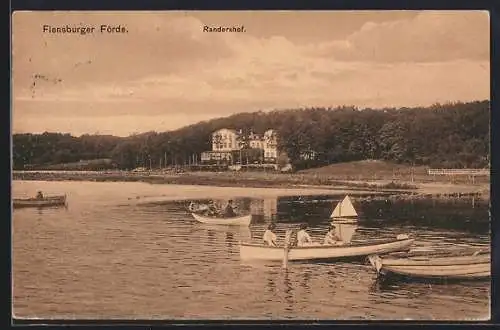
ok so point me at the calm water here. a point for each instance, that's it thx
(115, 254)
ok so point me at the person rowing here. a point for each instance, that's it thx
(39, 195)
(269, 237)
(303, 238)
(229, 211)
(331, 237)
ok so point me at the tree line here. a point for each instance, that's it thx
(454, 135)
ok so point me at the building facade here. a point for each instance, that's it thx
(270, 146)
(255, 141)
(228, 145)
(225, 140)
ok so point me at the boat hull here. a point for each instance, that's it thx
(34, 202)
(236, 221)
(267, 253)
(465, 267)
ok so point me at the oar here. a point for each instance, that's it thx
(478, 252)
(288, 236)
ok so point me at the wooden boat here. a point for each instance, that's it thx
(344, 211)
(252, 251)
(39, 202)
(240, 221)
(461, 267)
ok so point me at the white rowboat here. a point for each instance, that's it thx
(251, 251)
(240, 221)
(463, 267)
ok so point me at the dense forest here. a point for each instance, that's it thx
(453, 135)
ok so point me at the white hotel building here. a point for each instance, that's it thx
(227, 143)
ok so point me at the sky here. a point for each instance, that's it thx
(165, 72)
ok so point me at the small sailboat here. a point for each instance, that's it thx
(344, 211)
(344, 218)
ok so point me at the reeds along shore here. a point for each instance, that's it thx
(419, 187)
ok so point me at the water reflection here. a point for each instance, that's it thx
(432, 213)
(306, 277)
(109, 253)
(271, 286)
(288, 290)
(211, 235)
(460, 292)
(345, 231)
(229, 240)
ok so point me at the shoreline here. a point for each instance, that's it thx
(270, 180)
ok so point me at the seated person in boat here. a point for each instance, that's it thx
(331, 238)
(39, 195)
(229, 211)
(211, 210)
(269, 237)
(303, 238)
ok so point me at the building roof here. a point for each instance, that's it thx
(255, 136)
(269, 132)
(226, 129)
(251, 134)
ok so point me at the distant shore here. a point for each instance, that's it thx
(266, 180)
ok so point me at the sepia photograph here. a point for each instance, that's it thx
(250, 165)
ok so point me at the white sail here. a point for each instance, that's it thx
(344, 209)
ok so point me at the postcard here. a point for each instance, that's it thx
(251, 165)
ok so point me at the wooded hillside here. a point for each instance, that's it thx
(451, 135)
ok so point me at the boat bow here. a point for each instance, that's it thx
(376, 262)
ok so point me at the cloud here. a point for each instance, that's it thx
(321, 83)
(121, 125)
(428, 37)
(166, 65)
(155, 43)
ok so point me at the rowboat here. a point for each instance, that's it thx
(39, 202)
(252, 251)
(461, 267)
(240, 221)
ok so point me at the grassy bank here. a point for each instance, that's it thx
(365, 175)
(383, 171)
(229, 179)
